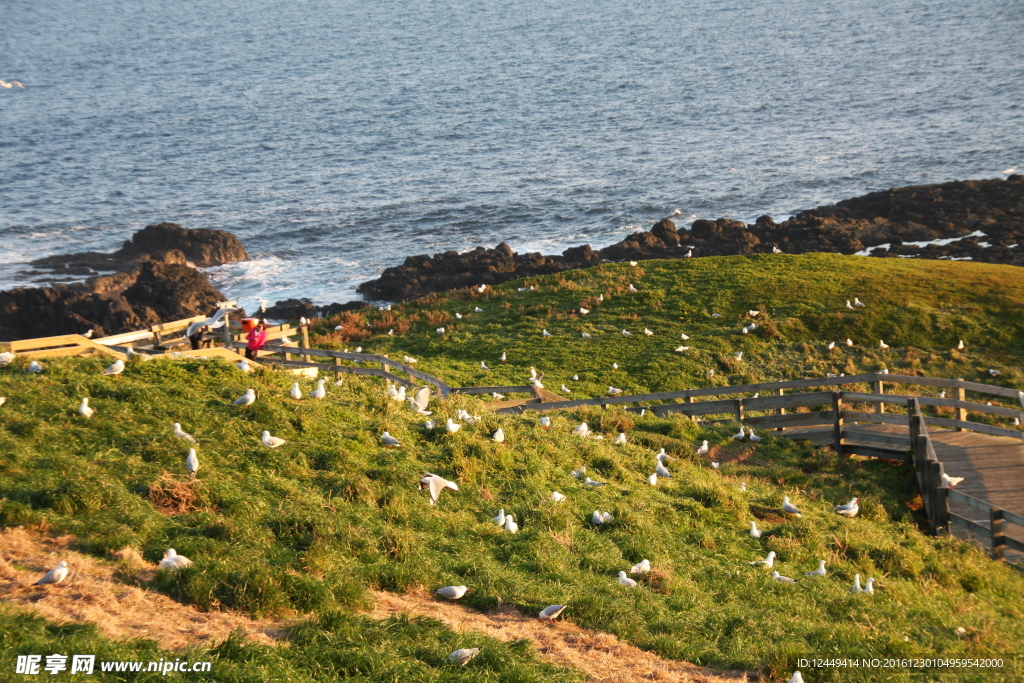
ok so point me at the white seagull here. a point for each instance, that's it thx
(544, 422)
(320, 391)
(849, 306)
(183, 435)
(785, 579)
(483, 366)
(440, 330)
(789, 508)
(115, 368)
(627, 333)
(632, 288)
(662, 471)
(768, 561)
(615, 366)
(34, 367)
(653, 479)
(703, 448)
(960, 346)
(246, 399)
(820, 571)
(557, 497)
(648, 333)
(642, 567)
(55, 575)
(409, 360)
(856, 584)
(451, 426)
(388, 440)
(504, 357)
(620, 439)
(850, 509)
(192, 462)
(295, 393)
(614, 391)
(626, 581)
(463, 655)
(584, 311)
(740, 435)
(271, 441)
(510, 524)
(242, 365)
(498, 436)
(680, 349)
(435, 484)
(586, 336)
(590, 482)
(849, 342)
(599, 518)
(754, 531)
(797, 678)
(857, 303)
(478, 310)
(882, 345)
(551, 612)
(752, 435)
(84, 410)
(582, 430)
(545, 333)
(950, 482)
(565, 390)
(173, 561)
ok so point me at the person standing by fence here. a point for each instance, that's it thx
(255, 340)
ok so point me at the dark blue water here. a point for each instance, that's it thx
(337, 137)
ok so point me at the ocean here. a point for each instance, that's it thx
(335, 137)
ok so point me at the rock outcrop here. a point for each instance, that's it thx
(887, 220)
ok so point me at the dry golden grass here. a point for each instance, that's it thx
(601, 656)
(92, 593)
(172, 495)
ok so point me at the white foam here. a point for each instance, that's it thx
(939, 242)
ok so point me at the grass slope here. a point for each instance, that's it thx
(303, 528)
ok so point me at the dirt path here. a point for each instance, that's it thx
(92, 593)
(601, 656)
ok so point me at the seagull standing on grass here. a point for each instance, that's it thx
(192, 463)
(115, 368)
(545, 333)
(271, 441)
(642, 567)
(557, 497)
(703, 448)
(246, 399)
(754, 531)
(451, 426)
(662, 471)
(55, 575)
(620, 439)
(740, 435)
(462, 656)
(452, 592)
(789, 508)
(857, 303)
(752, 435)
(779, 577)
(626, 581)
(582, 430)
(599, 518)
(820, 571)
(498, 436)
(551, 612)
(84, 410)
(545, 423)
(388, 440)
(510, 524)
(882, 345)
(768, 561)
(797, 678)
(183, 435)
(34, 367)
(856, 584)
(420, 401)
(320, 391)
(173, 561)
(850, 509)
(295, 393)
(435, 484)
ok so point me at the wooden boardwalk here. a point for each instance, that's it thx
(992, 468)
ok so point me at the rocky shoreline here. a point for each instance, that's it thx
(156, 278)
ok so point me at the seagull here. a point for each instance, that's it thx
(409, 360)
(689, 254)
(632, 288)
(776, 250)
(584, 311)
(498, 436)
(753, 314)
(184, 436)
(545, 333)
(551, 612)
(582, 430)
(857, 303)
(820, 571)
(942, 394)
(614, 391)
(743, 486)
(440, 330)
(850, 509)
(458, 316)
(580, 472)
(627, 333)
(320, 391)
(11, 84)
(246, 399)
(478, 310)
(831, 345)
(680, 349)
(785, 579)
(797, 678)
(590, 482)
(626, 581)
(213, 322)
(703, 448)
(648, 333)
(436, 484)
(754, 531)
(740, 435)
(394, 393)
(192, 462)
(960, 346)
(715, 465)
(510, 525)
(882, 345)
(504, 357)
(752, 435)
(653, 479)
(338, 328)
(662, 471)
(565, 390)
(849, 306)
(950, 482)
(557, 497)
(451, 426)
(633, 263)
(172, 560)
(55, 575)
(115, 368)
(769, 561)
(789, 508)
(242, 365)
(388, 440)
(744, 331)
(615, 366)
(994, 373)
(586, 336)
(662, 456)
(545, 422)
(870, 587)
(716, 315)
(6, 357)
(620, 440)
(463, 655)
(600, 298)
(84, 410)
(481, 289)
(420, 401)
(739, 355)
(684, 337)
(849, 342)
(295, 393)
(856, 584)
(3, 400)
(271, 441)
(598, 518)
(642, 567)
(34, 367)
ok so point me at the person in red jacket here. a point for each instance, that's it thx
(255, 340)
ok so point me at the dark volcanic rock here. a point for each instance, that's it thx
(909, 214)
(108, 305)
(202, 247)
(293, 309)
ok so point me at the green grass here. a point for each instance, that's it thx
(306, 527)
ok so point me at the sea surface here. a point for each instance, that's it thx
(336, 137)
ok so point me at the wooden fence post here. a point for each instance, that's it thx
(782, 411)
(305, 341)
(939, 514)
(227, 330)
(879, 389)
(837, 410)
(739, 410)
(961, 413)
(998, 533)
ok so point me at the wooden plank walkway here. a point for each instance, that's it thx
(992, 468)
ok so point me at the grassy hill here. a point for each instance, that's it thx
(304, 529)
